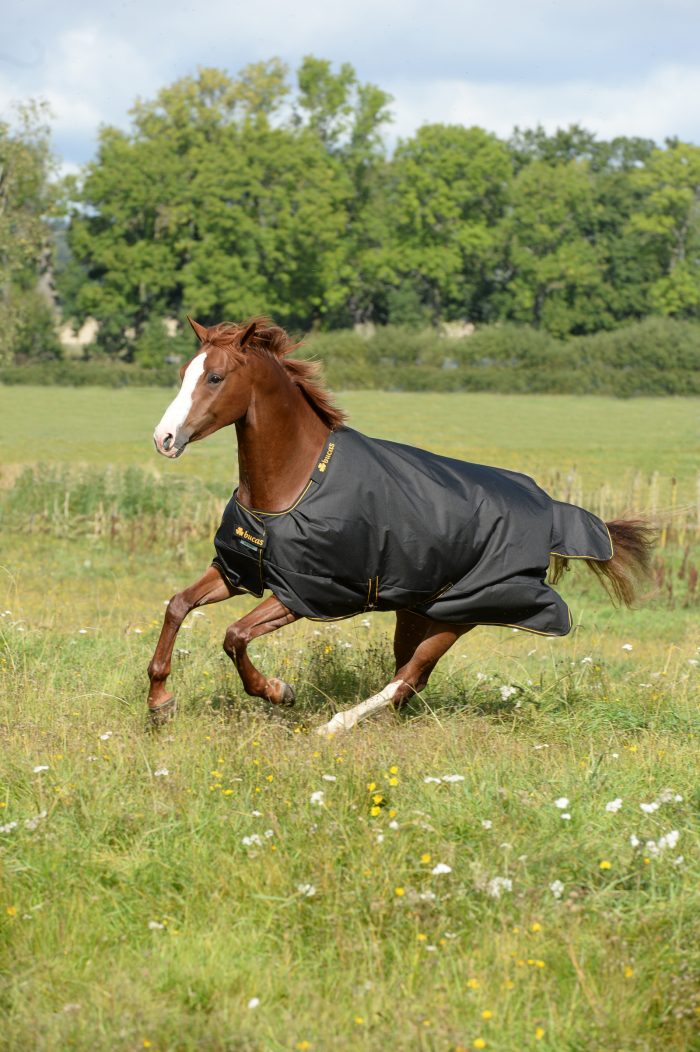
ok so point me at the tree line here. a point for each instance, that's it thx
(229, 196)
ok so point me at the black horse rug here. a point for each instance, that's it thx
(383, 526)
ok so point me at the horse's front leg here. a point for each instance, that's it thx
(268, 617)
(210, 588)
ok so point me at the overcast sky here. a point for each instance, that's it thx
(616, 66)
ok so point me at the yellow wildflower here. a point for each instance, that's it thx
(393, 770)
(536, 926)
(629, 971)
(421, 937)
(426, 857)
(605, 864)
(11, 911)
(539, 1033)
(399, 891)
(377, 798)
(371, 786)
(473, 984)
(479, 1042)
(393, 781)
(487, 1014)
(374, 811)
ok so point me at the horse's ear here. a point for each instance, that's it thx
(248, 334)
(199, 330)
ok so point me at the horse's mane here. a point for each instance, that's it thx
(273, 340)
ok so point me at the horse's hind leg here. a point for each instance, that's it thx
(410, 677)
(270, 615)
(210, 588)
(411, 629)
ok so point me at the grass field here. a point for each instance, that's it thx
(189, 889)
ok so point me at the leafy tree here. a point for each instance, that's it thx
(553, 272)
(27, 200)
(666, 228)
(446, 193)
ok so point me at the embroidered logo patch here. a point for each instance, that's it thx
(323, 464)
(245, 536)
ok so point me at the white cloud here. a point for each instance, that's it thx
(654, 106)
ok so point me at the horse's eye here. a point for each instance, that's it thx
(214, 379)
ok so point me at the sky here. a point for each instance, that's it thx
(615, 66)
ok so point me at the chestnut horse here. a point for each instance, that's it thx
(287, 430)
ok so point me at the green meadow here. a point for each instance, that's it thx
(475, 872)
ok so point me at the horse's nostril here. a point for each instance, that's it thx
(167, 442)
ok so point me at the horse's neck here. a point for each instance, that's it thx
(279, 441)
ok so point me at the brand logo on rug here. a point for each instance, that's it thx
(240, 532)
(323, 464)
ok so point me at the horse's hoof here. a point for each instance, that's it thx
(281, 693)
(163, 713)
(330, 729)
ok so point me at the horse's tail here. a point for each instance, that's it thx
(633, 541)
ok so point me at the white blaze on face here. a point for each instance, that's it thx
(175, 415)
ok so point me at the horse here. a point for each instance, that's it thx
(334, 524)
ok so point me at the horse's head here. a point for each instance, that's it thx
(215, 391)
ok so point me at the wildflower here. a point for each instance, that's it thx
(426, 857)
(508, 692)
(605, 864)
(393, 781)
(440, 868)
(371, 786)
(377, 798)
(40, 767)
(452, 778)
(627, 646)
(329, 778)
(155, 925)
(307, 890)
(565, 816)
(253, 839)
(106, 736)
(8, 827)
(536, 926)
(393, 825)
(486, 1014)
(668, 840)
(473, 984)
(561, 803)
(479, 1042)
(359, 1020)
(587, 660)
(556, 888)
(614, 805)
(374, 811)
(634, 840)
(497, 885)
(254, 1002)
(303, 1046)
(629, 971)
(32, 823)
(162, 772)
(399, 892)
(539, 1032)
(649, 809)
(486, 823)
(393, 770)
(11, 911)
(429, 779)
(317, 797)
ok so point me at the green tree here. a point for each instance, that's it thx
(553, 268)
(666, 228)
(446, 194)
(27, 200)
